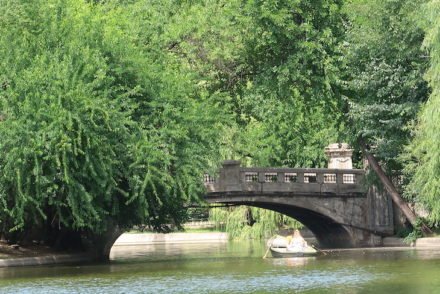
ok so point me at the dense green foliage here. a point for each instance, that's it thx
(290, 100)
(273, 64)
(424, 150)
(282, 73)
(393, 54)
(110, 111)
(99, 124)
(385, 68)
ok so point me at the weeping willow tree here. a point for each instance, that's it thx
(112, 110)
(423, 153)
(99, 126)
(250, 222)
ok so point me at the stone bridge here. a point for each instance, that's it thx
(335, 204)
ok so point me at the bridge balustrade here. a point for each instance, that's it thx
(327, 176)
(316, 181)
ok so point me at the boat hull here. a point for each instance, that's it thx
(284, 252)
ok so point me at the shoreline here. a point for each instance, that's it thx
(152, 239)
(71, 258)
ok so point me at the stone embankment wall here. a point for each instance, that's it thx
(45, 260)
(420, 243)
(147, 239)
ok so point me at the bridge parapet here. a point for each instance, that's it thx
(300, 181)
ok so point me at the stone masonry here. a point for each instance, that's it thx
(333, 203)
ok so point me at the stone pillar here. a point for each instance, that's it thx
(230, 176)
(339, 155)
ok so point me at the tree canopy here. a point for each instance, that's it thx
(111, 111)
(423, 153)
(384, 75)
(98, 122)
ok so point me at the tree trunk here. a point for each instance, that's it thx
(395, 196)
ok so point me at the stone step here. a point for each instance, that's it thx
(394, 242)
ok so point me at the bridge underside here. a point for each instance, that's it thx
(328, 233)
(336, 222)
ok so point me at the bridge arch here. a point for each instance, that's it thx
(328, 231)
(332, 203)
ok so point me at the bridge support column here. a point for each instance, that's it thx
(99, 246)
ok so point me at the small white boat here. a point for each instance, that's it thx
(294, 246)
(286, 252)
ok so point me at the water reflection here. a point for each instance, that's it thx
(264, 282)
(292, 261)
(236, 267)
(167, 251)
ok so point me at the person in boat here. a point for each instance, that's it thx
(297, 242)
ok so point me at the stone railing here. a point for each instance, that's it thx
(233, 178)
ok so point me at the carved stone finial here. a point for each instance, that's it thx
(339, 155)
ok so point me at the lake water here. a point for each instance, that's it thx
(235, 267)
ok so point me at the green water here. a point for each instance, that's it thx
(234, 268)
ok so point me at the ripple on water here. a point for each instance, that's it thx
(269, 281)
